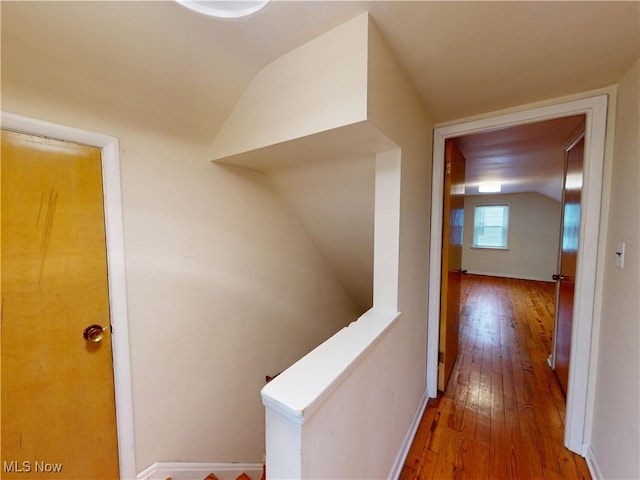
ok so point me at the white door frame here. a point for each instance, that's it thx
(115, 265)
(595, 111)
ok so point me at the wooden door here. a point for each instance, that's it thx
(452, 231)
(566, 278)
(58, 408)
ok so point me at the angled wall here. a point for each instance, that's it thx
(224, 286)
(314, 88)
(334, 202)
(364, 107)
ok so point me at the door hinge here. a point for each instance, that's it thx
(440, 357)
(448, 168)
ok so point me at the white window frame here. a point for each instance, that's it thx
(474, 243)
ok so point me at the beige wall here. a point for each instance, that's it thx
(334, 202)
(308, 90)
(218, 269)
(330, 178)
(534, 232)
(615, 436)
(224, 287)
(359, 429)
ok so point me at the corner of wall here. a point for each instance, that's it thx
(319, 86)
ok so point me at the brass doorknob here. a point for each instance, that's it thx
(93, 333)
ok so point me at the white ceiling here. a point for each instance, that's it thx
(154, 65)
(158, 65)
(526, 158)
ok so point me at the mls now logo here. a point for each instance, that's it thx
(27, 466)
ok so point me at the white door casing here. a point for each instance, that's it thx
(115, 264)
(595, 111)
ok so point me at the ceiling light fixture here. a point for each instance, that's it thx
(491, 187)
(224, 8)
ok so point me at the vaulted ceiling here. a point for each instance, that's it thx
(154, 65)
(159, 63)
(526, 158)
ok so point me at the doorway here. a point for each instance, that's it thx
(595, 111)
(511, 196)
(54, 285)
(116, 267)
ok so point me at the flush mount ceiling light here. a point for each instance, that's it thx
(493, 187)
(224, 8)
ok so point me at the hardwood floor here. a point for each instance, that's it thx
(502, 413)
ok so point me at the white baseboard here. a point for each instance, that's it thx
(398, 463)
(594, 469)
(509, 275)
(199, 471)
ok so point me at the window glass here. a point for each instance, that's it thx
(490, 226)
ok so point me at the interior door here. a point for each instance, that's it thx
(452, 231)
(569, 237)
(58, 407)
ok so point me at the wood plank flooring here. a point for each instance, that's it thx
(502, 413)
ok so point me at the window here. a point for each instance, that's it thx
(490, 226)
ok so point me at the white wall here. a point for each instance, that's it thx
(396, 109)
(615, 437)
(534, 235)
(224, 287)
(351, 421)
(309, 90)
(334, 202)
(378, 397)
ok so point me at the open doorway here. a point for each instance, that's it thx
(594, 111)
(509, 196)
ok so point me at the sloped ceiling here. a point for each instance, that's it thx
(159, 65)
(474, 57)
(526, 158)
(154, 65)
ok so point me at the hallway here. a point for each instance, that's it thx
(502, 414)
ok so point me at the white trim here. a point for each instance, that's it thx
(595, 111)
(386, 230)
(506, 227)
(116, 269)
(296, 394)
(594, 468)
(198, 471)
(398, 463)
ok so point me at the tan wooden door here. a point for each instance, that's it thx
(452, 231)
(569, 237)
(58, 410)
